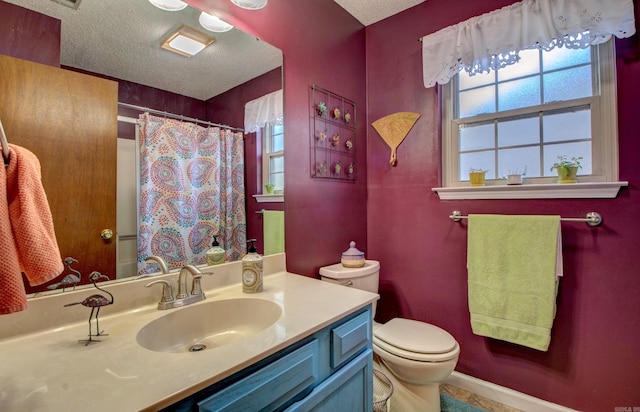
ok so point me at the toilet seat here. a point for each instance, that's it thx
(415, 340)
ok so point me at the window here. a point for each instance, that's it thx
(273, 156)
(550, 103)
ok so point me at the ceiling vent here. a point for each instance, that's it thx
(72, 4)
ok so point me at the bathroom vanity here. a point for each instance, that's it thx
(315, 354)
(330, 370)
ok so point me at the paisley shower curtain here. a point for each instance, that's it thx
(191, 188)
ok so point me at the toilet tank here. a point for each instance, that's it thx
(365, 278)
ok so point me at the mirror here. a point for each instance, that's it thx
(121, 39)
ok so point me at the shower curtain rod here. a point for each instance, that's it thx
(177, 116)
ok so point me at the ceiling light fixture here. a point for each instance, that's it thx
(250, 4)
(169, 5)
(213, 23)
(187, 41)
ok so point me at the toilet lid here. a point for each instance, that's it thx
(414, 336)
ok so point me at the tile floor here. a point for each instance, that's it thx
(475, 400)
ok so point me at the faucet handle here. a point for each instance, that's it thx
(167, 293)
(196, 287)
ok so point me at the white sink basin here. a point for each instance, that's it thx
(208, 325)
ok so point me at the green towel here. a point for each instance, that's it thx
(512, 277)
(273, 226)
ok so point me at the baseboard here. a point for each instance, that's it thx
(503, 395)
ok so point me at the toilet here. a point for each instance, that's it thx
(418, 355)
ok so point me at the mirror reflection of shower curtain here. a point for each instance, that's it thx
(191, 188)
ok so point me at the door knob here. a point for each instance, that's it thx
(106, 234)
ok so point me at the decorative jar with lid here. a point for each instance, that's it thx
(352, 257)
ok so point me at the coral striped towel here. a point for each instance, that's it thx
(27, 238)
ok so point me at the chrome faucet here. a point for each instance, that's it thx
(182, 280)
(160, 262)
(182, 298)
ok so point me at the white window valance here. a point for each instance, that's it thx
(492, 40)
(262, 111)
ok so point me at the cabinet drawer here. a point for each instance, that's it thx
(350, 338)
(270, 387)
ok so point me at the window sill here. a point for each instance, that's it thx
(590, 190)
(274, 198)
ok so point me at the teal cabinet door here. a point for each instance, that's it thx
(348, 390)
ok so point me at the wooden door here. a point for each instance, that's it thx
(69, 121)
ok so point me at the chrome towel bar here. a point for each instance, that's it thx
(592, 218)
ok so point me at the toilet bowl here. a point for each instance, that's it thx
(418, 355)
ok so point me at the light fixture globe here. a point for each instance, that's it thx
(169, 5)
(213, 23)
(250, 4)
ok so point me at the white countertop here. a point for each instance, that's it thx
(51, 371)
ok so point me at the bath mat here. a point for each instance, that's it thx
(449, 404)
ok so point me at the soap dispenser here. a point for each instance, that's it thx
(252, 270)
(215, 255)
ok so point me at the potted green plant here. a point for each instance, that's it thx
(514, 177)
(477, 176)
(269, 188)
(567, 169)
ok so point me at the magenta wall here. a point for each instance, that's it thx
(324, 45)
(139, 95)
(29, 35)
(594, 357)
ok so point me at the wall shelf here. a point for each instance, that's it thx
(269, 198)
(591, 190)
(333, 136)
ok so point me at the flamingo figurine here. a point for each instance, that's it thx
(95, 301)
(70, 279)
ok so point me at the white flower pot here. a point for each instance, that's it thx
(514, 179)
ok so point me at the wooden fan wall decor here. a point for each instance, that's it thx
(394, 128)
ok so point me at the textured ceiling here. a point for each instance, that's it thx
(370, 11)
(121, 38)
